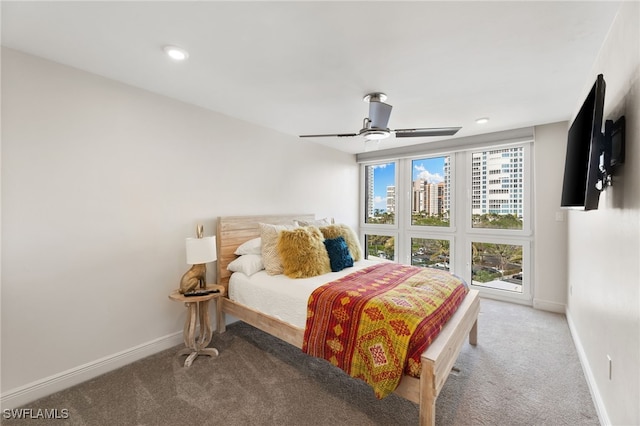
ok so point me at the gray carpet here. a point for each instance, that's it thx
(524, 371)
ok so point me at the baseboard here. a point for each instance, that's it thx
(591, 382)
(22, 395)
(546, 305)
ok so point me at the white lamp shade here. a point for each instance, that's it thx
(201, 250)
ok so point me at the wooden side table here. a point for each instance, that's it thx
(198, 308)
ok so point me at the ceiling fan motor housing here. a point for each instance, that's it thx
(375, 133)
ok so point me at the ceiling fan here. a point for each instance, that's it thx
(375, 126)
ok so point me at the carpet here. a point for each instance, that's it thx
(524, 371)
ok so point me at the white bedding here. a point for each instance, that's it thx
(280, 296)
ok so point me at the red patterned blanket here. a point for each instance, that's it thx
(375, 323)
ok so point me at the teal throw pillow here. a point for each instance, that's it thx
(339, 255)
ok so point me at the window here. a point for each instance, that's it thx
(380, 196)
(496, 180)
(430, 191)
(380, 247)
(497, 266)
(380, 211)
(430, 253)
(478, 228)
(499, 237)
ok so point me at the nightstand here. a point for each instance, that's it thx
(198, 312)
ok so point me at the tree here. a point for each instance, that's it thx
(429, 220)
(497, 221)
(390, 247)
(440, 250)
(478, 252)
(505, 253)
(485, 276)
(381, 243)
(383, 217)
(508, 253)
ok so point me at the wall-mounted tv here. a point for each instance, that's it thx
(585, 146)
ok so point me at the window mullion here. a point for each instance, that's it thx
(404, 200)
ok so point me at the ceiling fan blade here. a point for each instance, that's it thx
(434, 131)
(379, 113)
(337, 135)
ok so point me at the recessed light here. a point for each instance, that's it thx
(176, 53)
(483, 120)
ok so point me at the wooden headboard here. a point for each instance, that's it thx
(235, 230)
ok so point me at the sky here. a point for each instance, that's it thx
(430, 169)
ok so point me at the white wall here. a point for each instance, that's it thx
(604, 245)
(101, 184)
(550, 245)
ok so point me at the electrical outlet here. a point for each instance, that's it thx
(610, 366)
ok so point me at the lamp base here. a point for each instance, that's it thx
(193, 278)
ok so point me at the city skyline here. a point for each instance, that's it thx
(496, 182)
(429, 169)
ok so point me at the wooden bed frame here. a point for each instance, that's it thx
(437, 360)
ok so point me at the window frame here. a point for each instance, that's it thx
(460, 231)
(427, 236)
(363, 205)
(527, 210)
(381, 233)
(451, 229)
(527, 268)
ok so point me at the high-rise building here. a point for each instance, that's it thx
(370, 192)
(391, 199)
(431, 199)
(496, 182)
(446, 190)
(417, 196)
(428, 197)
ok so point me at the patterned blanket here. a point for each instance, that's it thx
(375, 323)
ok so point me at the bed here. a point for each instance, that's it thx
(436, 361)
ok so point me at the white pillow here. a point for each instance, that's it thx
(248, 264)
(253, 246)
(270, 256)
(314, 222)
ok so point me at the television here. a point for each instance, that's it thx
(584, 163)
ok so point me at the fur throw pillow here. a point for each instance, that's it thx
(302, 252)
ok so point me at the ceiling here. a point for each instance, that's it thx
(303, 67)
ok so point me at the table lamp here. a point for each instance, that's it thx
(200, 251)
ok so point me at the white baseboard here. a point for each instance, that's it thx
(586, 368)
(22, 395)
(546, 305)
